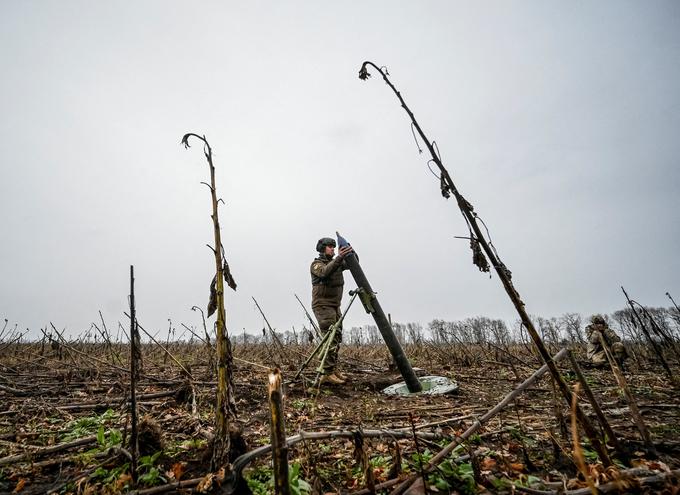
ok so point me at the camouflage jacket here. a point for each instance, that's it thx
(595, 352)
(327, 281)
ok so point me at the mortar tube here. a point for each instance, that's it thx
(400, 359)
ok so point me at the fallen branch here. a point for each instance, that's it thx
(168, 488)
(34, 451)
(241, 462)
(18, 393)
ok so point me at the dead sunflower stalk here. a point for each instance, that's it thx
(225, 410)
(448, 188)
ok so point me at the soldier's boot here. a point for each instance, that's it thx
(340, 377)
(332, 379)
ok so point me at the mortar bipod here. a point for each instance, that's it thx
(325, 344)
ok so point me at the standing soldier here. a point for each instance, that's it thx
(327, 284)
(595, 351)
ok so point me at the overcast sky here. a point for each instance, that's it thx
(558, 121)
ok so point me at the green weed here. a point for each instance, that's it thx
(173, 449)
(109, 476)
(261, 481)
(590, 455)
(447, 476)
(299, 404)
(149, 474)
(528, 481)
(109, 438)
(82, 427)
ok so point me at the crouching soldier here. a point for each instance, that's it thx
(595, 351)
(327, 284)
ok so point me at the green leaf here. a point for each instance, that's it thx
(533, 480)
(442, 484)
(100, 436)
(115, 437)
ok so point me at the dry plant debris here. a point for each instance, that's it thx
(64, 424)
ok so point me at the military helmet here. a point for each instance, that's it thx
(597, 320)
(323, 242)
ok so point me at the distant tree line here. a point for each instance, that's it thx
(555, 331)
(569, 327)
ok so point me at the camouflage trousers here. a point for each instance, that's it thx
(326, 316)
(598, 357)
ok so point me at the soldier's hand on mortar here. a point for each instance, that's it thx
(344, 251)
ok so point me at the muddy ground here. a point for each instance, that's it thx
(64, 422)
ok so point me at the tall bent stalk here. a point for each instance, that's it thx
(480, 247)
(225, 410)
